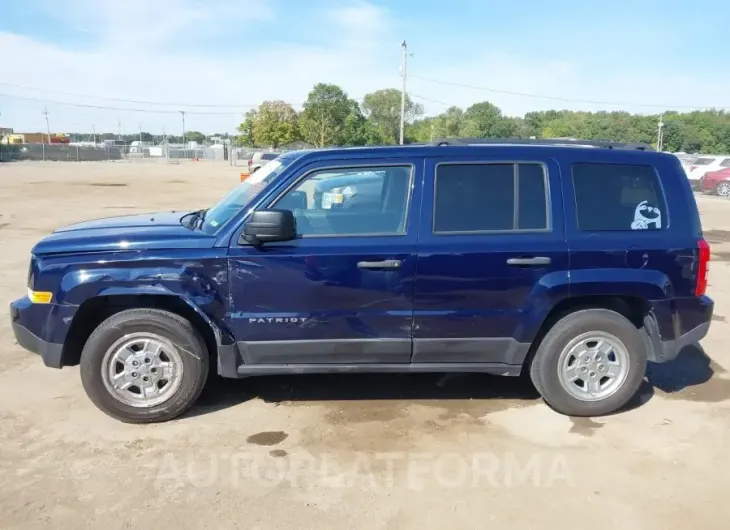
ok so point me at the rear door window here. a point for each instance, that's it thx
(484, 197)
(618, 197)
(725, 163)
(703, 162)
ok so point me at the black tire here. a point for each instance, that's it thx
(717, 189)
(544, 365)
(174, 328)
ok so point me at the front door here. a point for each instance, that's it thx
(342, 292)
(492, 255)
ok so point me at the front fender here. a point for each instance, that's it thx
(199, 279)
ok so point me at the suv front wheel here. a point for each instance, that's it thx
(144, 365)
(590, 363)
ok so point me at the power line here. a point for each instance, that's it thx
(431, 100)
(138, 101)
(105, 107)
(558, 98)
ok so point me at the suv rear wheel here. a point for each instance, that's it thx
(590, 363)
(144, 365)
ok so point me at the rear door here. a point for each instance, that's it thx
(619, 223)
(491, 248)
(342, 292)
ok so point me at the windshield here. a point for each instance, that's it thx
(242, 194)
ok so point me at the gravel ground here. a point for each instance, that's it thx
(368, 451)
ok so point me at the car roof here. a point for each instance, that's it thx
(503, 150)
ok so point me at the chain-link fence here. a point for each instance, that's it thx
(60, 152)
(96, 153)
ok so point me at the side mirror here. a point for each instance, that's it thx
(267, 226)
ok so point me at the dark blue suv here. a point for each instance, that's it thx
(573, 262)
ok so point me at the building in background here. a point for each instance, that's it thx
(35, 138)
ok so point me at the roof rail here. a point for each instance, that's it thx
(554, 142)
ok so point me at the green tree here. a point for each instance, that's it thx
(329, 116)
(195, 136)
(274, 123)
(245, 138)
(450, 124)
(382, 109)
(422, 131)
(485, 120)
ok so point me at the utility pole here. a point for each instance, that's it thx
(93, 128)
(182, 113)
(404, 62)
(139, 126)
(119, 129)
(48, 127)
(660, 135)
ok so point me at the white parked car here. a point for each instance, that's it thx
(697, 168)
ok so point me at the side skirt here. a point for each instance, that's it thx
(245, 370)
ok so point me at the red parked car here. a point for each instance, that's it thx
(717, 182)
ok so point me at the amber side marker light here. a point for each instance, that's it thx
(39, 297)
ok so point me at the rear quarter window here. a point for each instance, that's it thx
(725, 163)
(618, 197)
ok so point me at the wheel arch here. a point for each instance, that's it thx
(635, 308)
(95, 310)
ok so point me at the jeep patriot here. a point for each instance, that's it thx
(573, 262)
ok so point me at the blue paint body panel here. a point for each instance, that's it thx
(454, 299)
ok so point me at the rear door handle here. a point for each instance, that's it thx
(385, 264)
(538, 260)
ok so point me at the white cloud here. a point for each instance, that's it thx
(136, 54)
(360, 17)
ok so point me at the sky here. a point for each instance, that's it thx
(215, 59)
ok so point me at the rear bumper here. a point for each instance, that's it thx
(50, 352)
(689, 324)
(670, 348)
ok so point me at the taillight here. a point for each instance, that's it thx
(692, 168)
(250, 162)
(703, 267)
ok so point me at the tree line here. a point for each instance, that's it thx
(331, 118)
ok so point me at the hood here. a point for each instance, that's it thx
(130, 232)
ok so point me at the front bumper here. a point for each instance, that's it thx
(50, 352)
(708, 185)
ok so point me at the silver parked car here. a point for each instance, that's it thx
(260, 159)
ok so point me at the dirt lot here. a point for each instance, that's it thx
(371, 452)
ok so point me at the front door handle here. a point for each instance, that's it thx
(536, 261)
(385, 264)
